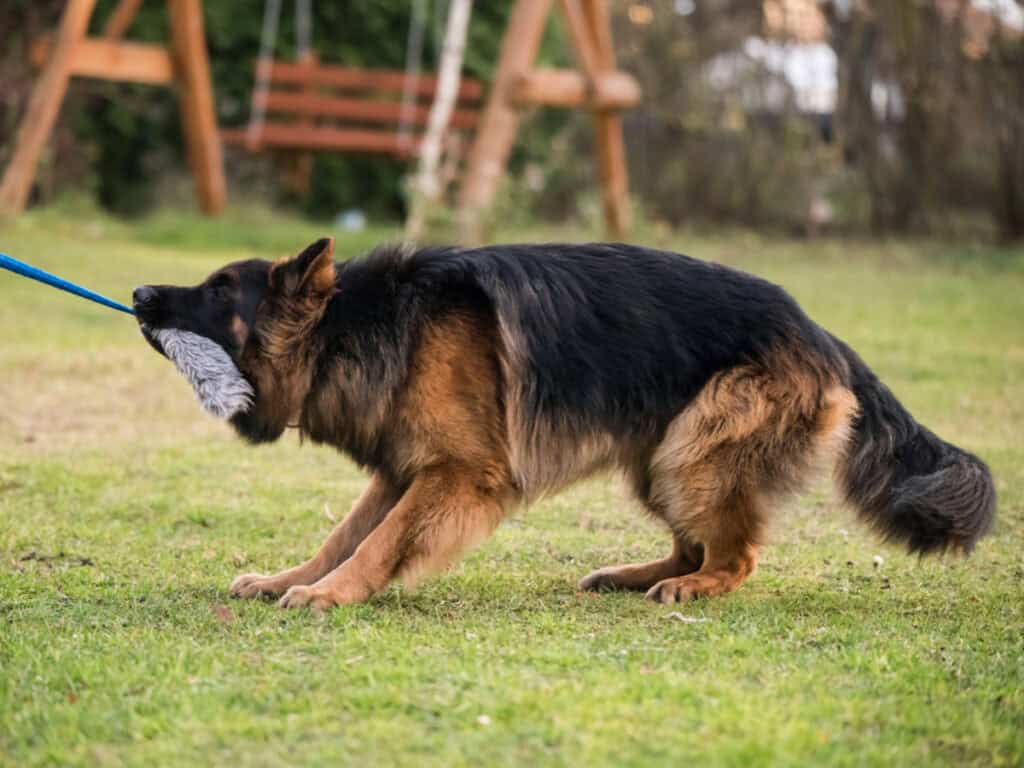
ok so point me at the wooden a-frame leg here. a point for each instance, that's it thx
(500, 122)
(611, 160)
(611, 149)
(197, 108)
(43, 108)
(120, 19)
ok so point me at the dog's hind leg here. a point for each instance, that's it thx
(749, 437)
(445, 511)
(369, 509)
(686, 557)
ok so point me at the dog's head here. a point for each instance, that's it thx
(262, 315)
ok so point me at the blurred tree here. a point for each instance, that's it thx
(719, 136)
(1003, 96)
(900, 67)
(931, 110)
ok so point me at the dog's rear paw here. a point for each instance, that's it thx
(255, 585)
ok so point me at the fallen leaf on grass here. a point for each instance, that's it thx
(223, 613)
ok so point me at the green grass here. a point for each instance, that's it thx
(125, 513)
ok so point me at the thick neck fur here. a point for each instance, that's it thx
(281, 363)
(347, 405)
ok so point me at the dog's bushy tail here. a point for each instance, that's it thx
(909, 484)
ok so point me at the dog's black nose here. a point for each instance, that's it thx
(144, 294)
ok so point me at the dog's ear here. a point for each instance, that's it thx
(311, 273)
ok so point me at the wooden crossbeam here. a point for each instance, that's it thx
(568, 88)
(95, 57)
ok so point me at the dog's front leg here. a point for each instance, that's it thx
(445, 510)
(370, 508)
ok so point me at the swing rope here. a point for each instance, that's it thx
(303, 28)
(264, 66)
(413, 64)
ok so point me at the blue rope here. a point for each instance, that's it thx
(27, 270)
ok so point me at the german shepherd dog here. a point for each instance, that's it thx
(468, 381)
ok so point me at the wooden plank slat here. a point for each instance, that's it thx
(372, 111)
(130, 62)
(568, 88)
(357, 78)
(43, 107)
(192, 69)
(323, 138)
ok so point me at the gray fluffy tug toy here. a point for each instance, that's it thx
(219, 385)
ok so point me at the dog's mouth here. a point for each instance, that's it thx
(148, 334)
(144, 315)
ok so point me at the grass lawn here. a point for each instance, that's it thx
(125, 513)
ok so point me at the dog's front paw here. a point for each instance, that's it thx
(317, 598)
(682, 589)
(255, 585)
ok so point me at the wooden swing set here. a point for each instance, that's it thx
(307, 106)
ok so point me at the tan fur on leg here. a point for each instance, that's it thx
(751, 436)
(719, 575)
(685, 558)
(445, 511)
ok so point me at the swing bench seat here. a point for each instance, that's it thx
(314, 107)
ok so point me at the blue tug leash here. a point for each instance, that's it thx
(27, 270)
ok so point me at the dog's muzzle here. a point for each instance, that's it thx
(144, 302)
